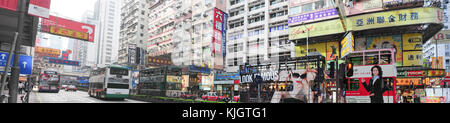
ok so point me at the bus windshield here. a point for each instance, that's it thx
(118, 71)
(118, 80)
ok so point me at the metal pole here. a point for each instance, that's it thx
(8, 63)
(15, 71)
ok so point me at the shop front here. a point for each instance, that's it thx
(224, 84)
(411, 84)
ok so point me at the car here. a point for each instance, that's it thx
(210, 96)
(64, 86)
(71, 88)
(213, 96)
(187, 95)
(236, 98)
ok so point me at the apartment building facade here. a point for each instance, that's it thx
(107, 12)
(258, 32)
(133, 32)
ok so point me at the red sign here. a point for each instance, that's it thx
(66, 25)
(9, 4)
(40, 8)
(217, 31)
(414, 73)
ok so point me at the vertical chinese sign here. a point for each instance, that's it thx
(219, 38)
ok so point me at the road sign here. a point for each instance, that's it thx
(25, 63)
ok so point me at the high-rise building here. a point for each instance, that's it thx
(107, 12)
(133, 31)
(89, 51)
(258, 32)
(160, 28)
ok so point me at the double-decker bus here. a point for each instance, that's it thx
(163, 81)
(363, 63)
(49, 81)
(111, 82)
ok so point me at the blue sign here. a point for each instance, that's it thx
(224, 34)
(25, 63)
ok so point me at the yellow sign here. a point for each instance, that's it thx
(396, 18)
(174, 79)
(370, 21)
(47, 51)
(409, 81)
(316, 29)
(69, 33)
(328, 49)
(412, 41)
(348, 45)
(412, 58)
(438, 63)
(383, 42)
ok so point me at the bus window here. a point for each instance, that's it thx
(371, 60)
(354, 84)
(386, 59)
(357, 60)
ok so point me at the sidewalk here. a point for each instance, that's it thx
(6, 92)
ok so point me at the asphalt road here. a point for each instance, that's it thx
(71, 97)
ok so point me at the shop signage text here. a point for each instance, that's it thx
(313, 16)
(270, 75)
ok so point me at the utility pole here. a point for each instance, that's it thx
(15, 71)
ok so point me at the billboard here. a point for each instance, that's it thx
(412, 58)
(153, 61)
(9, 4)
(412, 41)
(64, 62)
(68, 28)
(396, 18)
(401, 17)
(327, 49)
(348, 44)
(383, 42)
(43, 51)
(313, 16)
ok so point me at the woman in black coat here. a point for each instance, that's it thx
(376, 87)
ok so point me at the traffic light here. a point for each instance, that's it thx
(331, 69)
(349, 70)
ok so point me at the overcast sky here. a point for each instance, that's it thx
(72, 8)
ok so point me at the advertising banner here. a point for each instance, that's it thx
(412, 58)
(153, 61)
(174, 79)
(327, 49)
(9, 4)
(40, 8)
(64, 62)
(42, 51)
(402, 17)
(316, 29)
(68, 28)
(184, 82)
(412, 41)
(207, 83)
(365, 71)
(383, 42)
(396, 18)
(348, 45)
(313, 16)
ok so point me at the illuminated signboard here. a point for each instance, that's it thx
(69, 33)
(64, 62)
(68, 28)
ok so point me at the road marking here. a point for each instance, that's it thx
(39, 98)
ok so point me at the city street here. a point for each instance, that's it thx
(71, 97)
